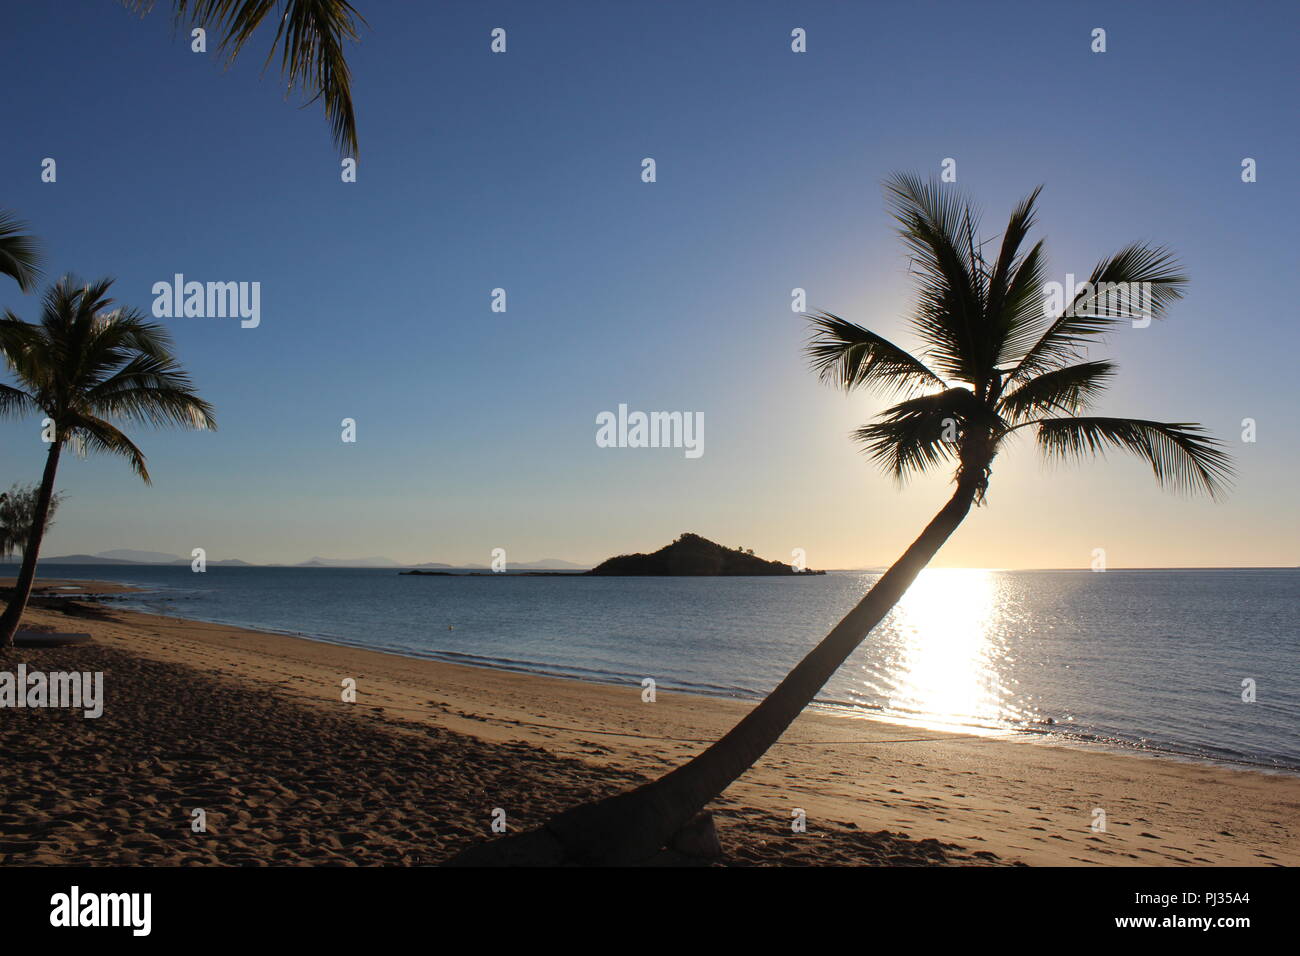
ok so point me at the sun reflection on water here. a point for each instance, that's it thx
(942, 656)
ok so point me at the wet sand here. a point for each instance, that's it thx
(252, 729)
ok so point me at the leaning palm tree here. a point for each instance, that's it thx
(20, 256)
(82, 365)
(310, 35)
(996, 363)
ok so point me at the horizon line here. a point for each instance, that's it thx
(580, 565)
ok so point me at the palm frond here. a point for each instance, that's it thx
(1015, 278)
(310, 36)
(1139, 281)
(1020, 312)
(1066, 390)
(20, 254)
(15, 403)
(1021, 221)
(88, 433)
(155, 392)
(848, 356)
(1181, 455)
(118, 338)
(919, 433)
(20, 346)
(938, 227)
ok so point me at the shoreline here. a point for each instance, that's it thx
(1026, 736)
(989, 794)
(94, 589)
(1037, 734)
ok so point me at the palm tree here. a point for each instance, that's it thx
(310, 35)
(994, 364)
(83, 364)
(20, 256)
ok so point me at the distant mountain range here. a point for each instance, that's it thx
(128, 556)
(546, 564)
(105, 557)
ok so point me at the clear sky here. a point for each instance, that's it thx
(476, 429)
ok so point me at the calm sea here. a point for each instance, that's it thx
(1157, 660)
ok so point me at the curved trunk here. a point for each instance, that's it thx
(633, 826)
(27, 575)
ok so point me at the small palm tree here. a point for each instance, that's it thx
(20, 256)
(83, 364)
(310, 35)
(994, 364)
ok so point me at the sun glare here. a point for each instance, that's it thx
(945, 655)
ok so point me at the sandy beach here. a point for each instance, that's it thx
(251, 728)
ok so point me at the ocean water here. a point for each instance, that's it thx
(1153, 660)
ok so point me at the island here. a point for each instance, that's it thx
(691, 555)
(695, 556)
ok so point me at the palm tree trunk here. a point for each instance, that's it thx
(27, 575)
(632, 826)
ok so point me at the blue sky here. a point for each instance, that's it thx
(522, 171)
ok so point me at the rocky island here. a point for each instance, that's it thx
(692, 555)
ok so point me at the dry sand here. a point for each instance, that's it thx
(251, 728)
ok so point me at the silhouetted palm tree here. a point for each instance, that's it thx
(994, 364)
(20, 256)
(83, 364)
(310, 35)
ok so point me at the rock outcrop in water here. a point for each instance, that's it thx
(692, 555)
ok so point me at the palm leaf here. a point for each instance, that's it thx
(310, 35)
(1015, 282)
(122, 338)
(20, 344)
(1068, 390)
(90, 434)
(156, 405)
(848, 356)
(14, 402)
(919, 433)
(938, 227)
(1020, 311)
(20, 254)
(1110, 298)
(1180, 454)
